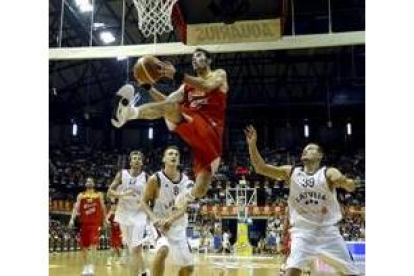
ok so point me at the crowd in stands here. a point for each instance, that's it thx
(69, 165)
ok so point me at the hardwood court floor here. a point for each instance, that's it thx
(70, 264)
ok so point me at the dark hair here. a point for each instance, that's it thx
(206, 53)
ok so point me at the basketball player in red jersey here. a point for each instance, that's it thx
(90, 207)
(196, 112)
(116, 239)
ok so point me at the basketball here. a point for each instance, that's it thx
(147, 70)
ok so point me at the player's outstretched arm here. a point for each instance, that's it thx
(176, 96)
(337, 180)
(275, 172)
(176, 215)
(149, 196)
(219, 78)
(75, 210)
(114, 185)
(108, 215)
(103, 208)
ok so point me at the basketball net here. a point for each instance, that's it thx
(154, 16)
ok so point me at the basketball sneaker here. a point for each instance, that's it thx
(109, 261)
(282, 270)
(91, 269)
(125, 110)
(118, 261)
(85, 271)
(124, 259)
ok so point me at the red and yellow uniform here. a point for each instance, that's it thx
(116, 239)
(91, 218)
(203, 127)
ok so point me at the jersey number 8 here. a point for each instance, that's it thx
(176, 191)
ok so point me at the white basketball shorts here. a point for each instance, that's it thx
(325, 243)
(179, 248)
(132, 228)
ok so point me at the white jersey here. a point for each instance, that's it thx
(129, 204)
(168, 191)
(226, 240)
(311, 202)
(226, 236)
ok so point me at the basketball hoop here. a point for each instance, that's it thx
(154, 16)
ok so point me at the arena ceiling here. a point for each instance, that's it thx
(287, 83)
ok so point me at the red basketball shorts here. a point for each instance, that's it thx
(204, 139)
(116, 239)
(89, 235)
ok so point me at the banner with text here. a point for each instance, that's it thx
(241, 31)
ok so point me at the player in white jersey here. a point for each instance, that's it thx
(128, 187)
(170, 224)
(226, 242)
(313, 208)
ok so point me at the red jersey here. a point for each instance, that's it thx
(210, 105)
(90, 209)
(114, 225)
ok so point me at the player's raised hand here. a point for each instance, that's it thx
(251, 135)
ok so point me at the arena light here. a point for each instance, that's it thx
(306, 130)
(84, 5)
(86, 8)
(349, 129)
(74, 129)
(150, 133)
(97, 25)
(107, 37)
